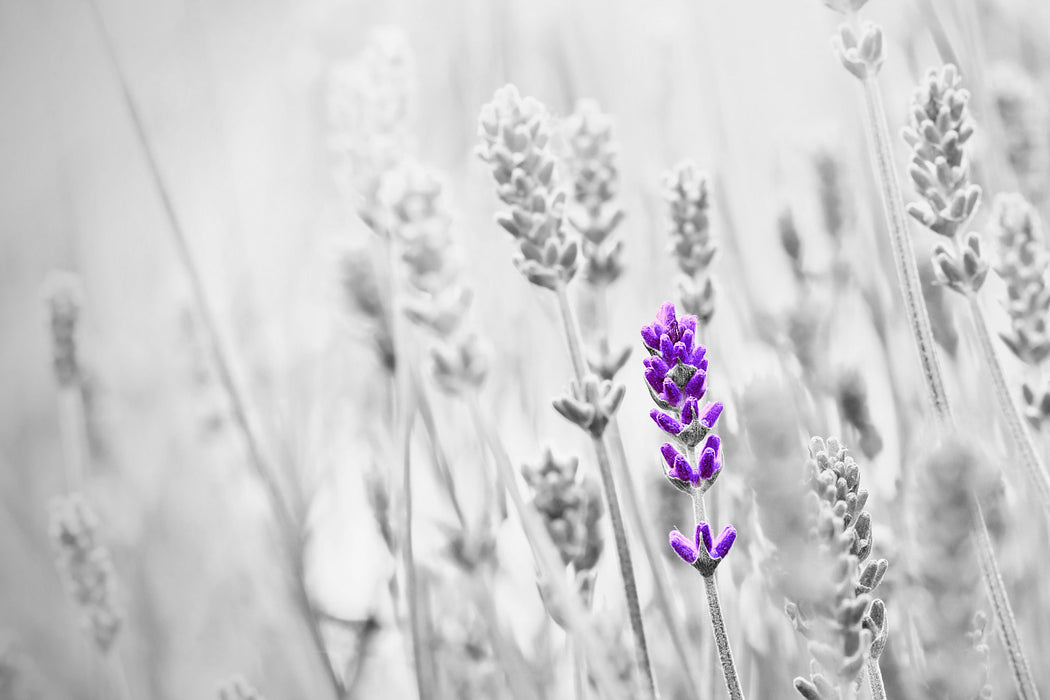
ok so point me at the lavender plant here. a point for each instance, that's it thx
(939, 129)
(86, 569)
(845, 626)
(676, 374)
(515, 134)
(692, 246)
(237, 688)
(1023, 115)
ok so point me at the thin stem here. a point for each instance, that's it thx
(71, 427)
(641, 522)
(1004, 614)
(725, 653)
(878, 690)
(119, 675)
(1031, 461)
(634, 608)
(223, 367)
(548, 562)
(879, 143)
(423, 684)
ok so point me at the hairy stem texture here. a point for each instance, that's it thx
(903, 257)
(878, 690)
(725, 653)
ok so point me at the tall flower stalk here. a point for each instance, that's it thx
(844, 624)
(860, 48)
(692, 245)
(939, 129)
(676, 374)
(515, 135)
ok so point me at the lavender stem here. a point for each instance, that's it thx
(1004, 614)
(879, 143)
(878, 690)
(1031, 462)
(634, 609)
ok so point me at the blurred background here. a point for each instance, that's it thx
(233, 99)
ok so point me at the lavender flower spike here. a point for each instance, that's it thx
(703, 554)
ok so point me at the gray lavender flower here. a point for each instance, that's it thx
(838, 617)
(862, 53)
(591, 403)
(570, 506)
(595, 176)
(939, 129)
(86, 567)
(361, 286)
(1025, 119)
(421, 224)
(63, 295)
(1022, 265)
(369, 104)
(515, 132)
(693, 247)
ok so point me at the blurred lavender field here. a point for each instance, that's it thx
(280, 353)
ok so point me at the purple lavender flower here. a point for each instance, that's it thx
(701, 552)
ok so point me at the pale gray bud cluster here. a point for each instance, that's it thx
(1022, 265)
(63, 296)
(86, 568)
(570, 506)
(596, 214)
(361, 286)
(515, 136)
(842, 622)
(421, 225)
(939, 128)
(1025, 118)
(692, 245)
(591, 403)
(369, 106)
(861, 51)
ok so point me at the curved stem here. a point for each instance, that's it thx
(903, 257)
(878, 690)
(623, 552)
(1031, 462)
(1004, 614)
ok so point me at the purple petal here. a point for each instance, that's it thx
(657, 363)
(655, 379)
(683, 547)
(708, 463)
(687, 341)
(682, 469)
(688, 323)
(724, 543)
(689, 412)
(697, 358)
(713, 442)
(711, 413)
(666, 422)
(650, 337)
(696, 387)
(672, 394)
(665, 316)
(670, 454)
(702, 364)
(667, 349)
(703, 536)
(680, 352)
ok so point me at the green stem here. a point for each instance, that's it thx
(880, 145)
(1031, 462)
(623, 552)
(1004, 615)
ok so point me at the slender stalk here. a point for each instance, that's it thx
(1031, 462)
(642, 523)
(548, 562)
(223, 367)
(423, 680)
(878, 690)
(119, 675)
(71, 427)
(1004, 614)
(881, 149)
(634, 608)
(718, 625)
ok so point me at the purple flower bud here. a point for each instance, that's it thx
(667, 349)
(689, 411)
(711, 413)
(687, 341)
(696, 387)
(655, 380)
(683, 547)
(677, 465)
(650, 337)
(710, 460)
(671, 393)
(703, 535)
(665, 316)
(724, 543)
(666, 422)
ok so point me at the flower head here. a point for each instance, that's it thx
(701, 552)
